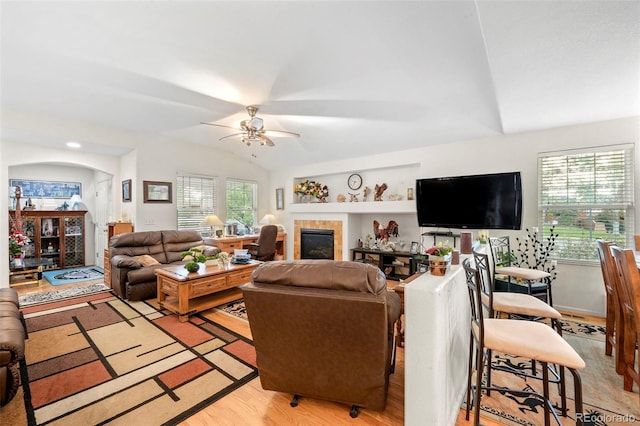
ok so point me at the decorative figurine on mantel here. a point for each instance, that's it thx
(354, 198)
(324, 193)
(365, 193)
(379, 190)
(341, 198)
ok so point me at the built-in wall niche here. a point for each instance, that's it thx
(399, 179)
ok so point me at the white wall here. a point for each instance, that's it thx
(164, 161)
(577, 288)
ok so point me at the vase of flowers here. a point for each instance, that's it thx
(308, 191)
(439, 258)
(17, 245)
(223, 260)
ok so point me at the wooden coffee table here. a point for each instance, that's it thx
(186, 293)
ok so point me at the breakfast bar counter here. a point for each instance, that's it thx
(437, 327)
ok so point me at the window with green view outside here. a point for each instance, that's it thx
(242, 204)
(586, 195)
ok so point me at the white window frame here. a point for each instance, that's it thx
(603, 197)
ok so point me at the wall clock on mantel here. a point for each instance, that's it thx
(354, 181)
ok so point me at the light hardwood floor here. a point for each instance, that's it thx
(251, 405)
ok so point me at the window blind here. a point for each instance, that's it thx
(587, 195)
(197, 197)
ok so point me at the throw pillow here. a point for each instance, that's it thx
(146, 260)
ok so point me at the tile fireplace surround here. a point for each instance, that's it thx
(334, 225)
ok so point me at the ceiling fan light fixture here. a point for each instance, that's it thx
(256, 124)
(252, 129)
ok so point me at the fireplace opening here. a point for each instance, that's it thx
(316, 243)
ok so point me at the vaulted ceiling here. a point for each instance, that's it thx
(352, 78)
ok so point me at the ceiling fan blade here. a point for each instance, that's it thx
(281, 133)
(230, 136)
(267, 141)
(219, 125)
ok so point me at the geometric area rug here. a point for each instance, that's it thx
(99, 359)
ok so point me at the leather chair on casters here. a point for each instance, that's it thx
(265, 248)
(536, 281)
(527, 339)
(614, 325)
(629, 296)
(323, 329)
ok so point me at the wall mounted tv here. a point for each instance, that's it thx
(491, 201)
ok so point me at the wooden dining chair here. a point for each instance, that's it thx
(527, 339)
(614, 321)
(629, 296)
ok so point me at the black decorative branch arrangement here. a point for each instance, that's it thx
(536, 254)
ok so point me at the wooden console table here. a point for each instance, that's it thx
(229, 244)
(396, 265)
(192, 292)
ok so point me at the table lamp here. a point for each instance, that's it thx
(211, 221)
(268, 219)
(76, 202)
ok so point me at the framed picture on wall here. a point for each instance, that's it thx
(156, 192)
(280, 198)
(126, 190)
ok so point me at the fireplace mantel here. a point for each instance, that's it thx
(362, 207)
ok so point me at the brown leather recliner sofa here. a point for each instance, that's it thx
(323, 329)
(135, 256)
(12, 336)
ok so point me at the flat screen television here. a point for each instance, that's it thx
(490, 201)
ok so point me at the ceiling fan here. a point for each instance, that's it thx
(252, 130)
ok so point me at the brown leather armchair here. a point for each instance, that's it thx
(323, 329)
(265, 248)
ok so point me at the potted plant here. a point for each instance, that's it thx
(194, 258)
(439, 258)
(17, 243)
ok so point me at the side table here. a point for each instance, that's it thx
(29, 271)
